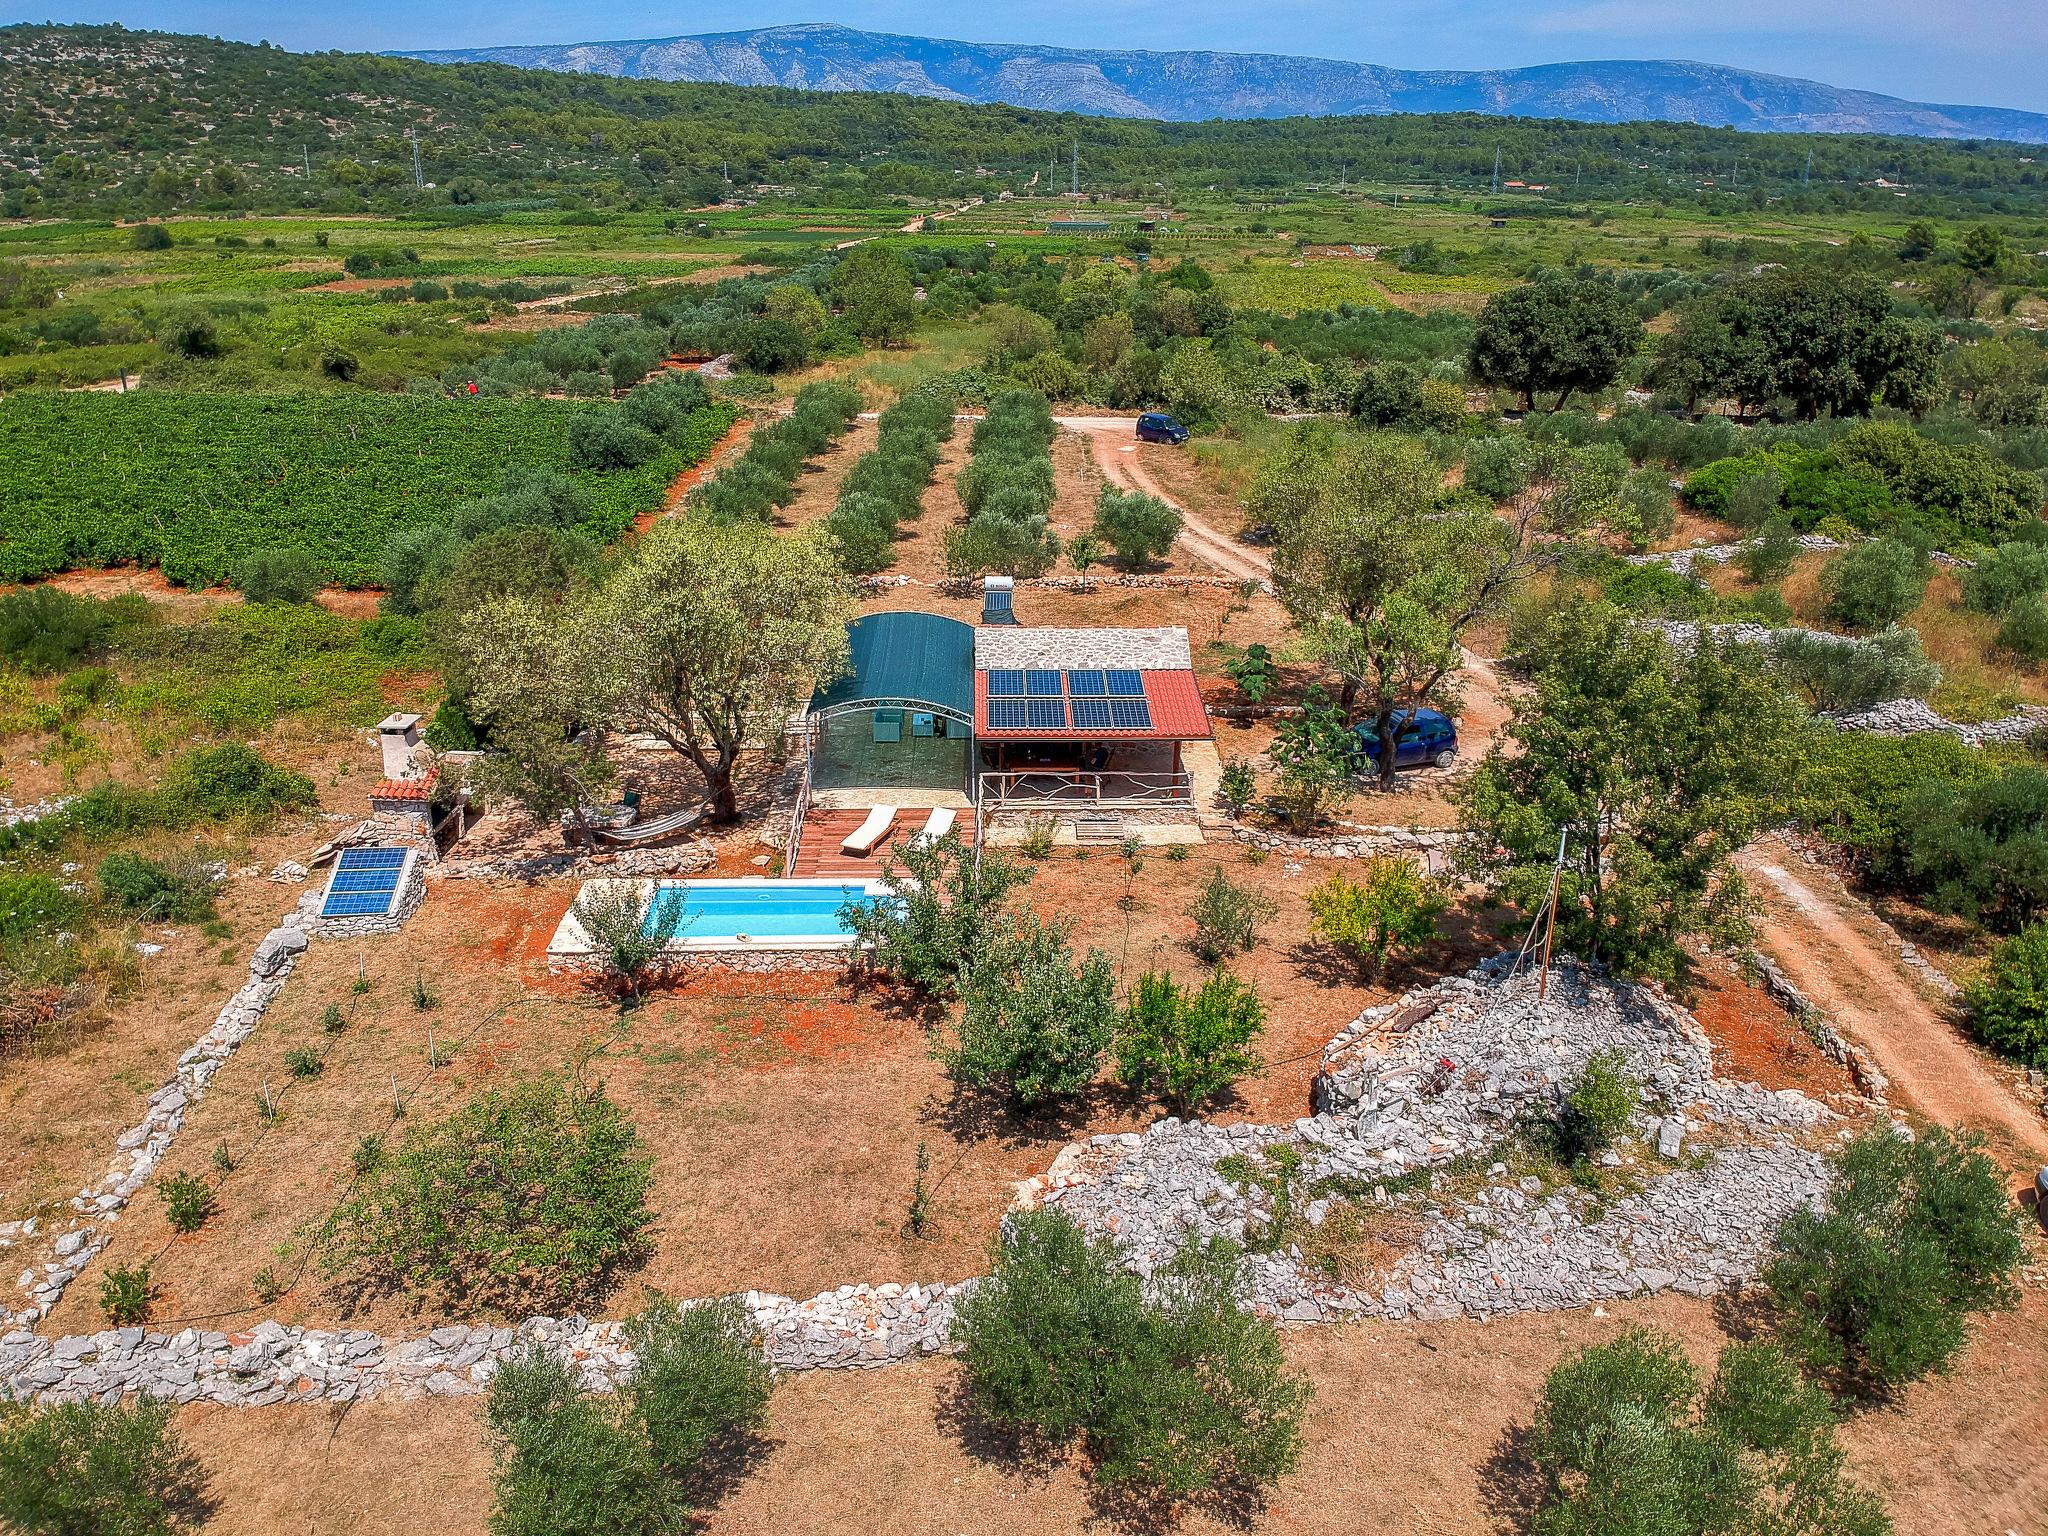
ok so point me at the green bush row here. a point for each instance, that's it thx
(764, 478)
(887, 486)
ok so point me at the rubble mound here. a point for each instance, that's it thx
(1416, 1189)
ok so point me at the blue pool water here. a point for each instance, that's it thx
(772, 909)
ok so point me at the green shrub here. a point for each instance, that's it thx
(1237, 786)
(1252, 671)
(614, 916)
(1392, 906)
(1227, 917)
(154, 891)
(941, 908)
(1835, 672)
(1624, 1444)
(2008, 1003)
(33, 905)
(188, 1201)
(1982, 850)
(1875, 1289)
(43, 629)
(278, 576)
(1140, 528)
(125, 1294)
(1874, 583)
(1771, 555)
(576, 1463)
(1033, 1023)
(1862, 792)
(1179, 1394)
(1754, 500)
(565, 1211)
(2006, 576)
(92, 1469)
(303, 1061)
(1598, 1109)
(1189, 1047)
(2024, 633)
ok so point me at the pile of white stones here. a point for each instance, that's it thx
(1444, 1075)
(1684, 561)
(851, 1328)
(1909, 717)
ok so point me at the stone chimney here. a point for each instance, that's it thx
(399, 736)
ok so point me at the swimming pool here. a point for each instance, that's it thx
(774, 914)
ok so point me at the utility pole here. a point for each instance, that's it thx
(1806, 175)
(418, 181)
(1074, 182)
(1496, 170)
(306, 156)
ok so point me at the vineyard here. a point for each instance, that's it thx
(194, 483)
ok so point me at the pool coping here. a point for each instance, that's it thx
(571, 946)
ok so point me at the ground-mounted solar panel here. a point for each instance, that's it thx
(1047, 714)
(1042, 684)
(1006, 682)
(1090, 714)
(1126, 684)
(1130, 714)
(1006, 715)
(365, 882)
(1086, 685)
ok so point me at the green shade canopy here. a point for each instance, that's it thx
(905, 658)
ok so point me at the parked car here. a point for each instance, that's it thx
(1158, 427)
(1422, 737)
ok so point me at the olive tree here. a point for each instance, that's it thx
(1564, 334)
(709, 636)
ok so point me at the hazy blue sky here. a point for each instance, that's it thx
(1988, 52)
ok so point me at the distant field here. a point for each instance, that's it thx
(194, 483)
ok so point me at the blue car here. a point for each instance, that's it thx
(1158, 427)
(1422, 738)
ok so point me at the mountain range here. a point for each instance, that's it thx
(1192, 87)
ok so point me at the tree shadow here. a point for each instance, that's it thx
(727, 1463)
(969, 1115)
(1120, 1506)
(1510, 1486)
(1745, 1315)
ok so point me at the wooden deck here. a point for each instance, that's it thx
(818, 852)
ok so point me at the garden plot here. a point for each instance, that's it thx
(1421, 1133)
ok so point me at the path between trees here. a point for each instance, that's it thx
(1835, 954)
(1109, 437)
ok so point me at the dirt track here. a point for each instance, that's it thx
(1117, 456)
(1834, 953)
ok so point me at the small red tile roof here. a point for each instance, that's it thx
(1177, 713)
(421, 788)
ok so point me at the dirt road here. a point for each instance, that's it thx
(1116, 455)
(1836, 955)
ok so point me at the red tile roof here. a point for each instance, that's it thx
(407, 789)
(1177, 713)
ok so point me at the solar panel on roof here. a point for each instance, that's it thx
(365, 882)
(1048, 714)
(1005, 682)
(1006, 714)
(1127, 684)
(1043, 684)
(1090, 714)
(1130, 714)
(1086, 684)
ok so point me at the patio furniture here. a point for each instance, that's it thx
(865, 837)
(936, 826)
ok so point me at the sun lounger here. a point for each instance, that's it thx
(658, 830)
(936, 826)
(870, 832)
